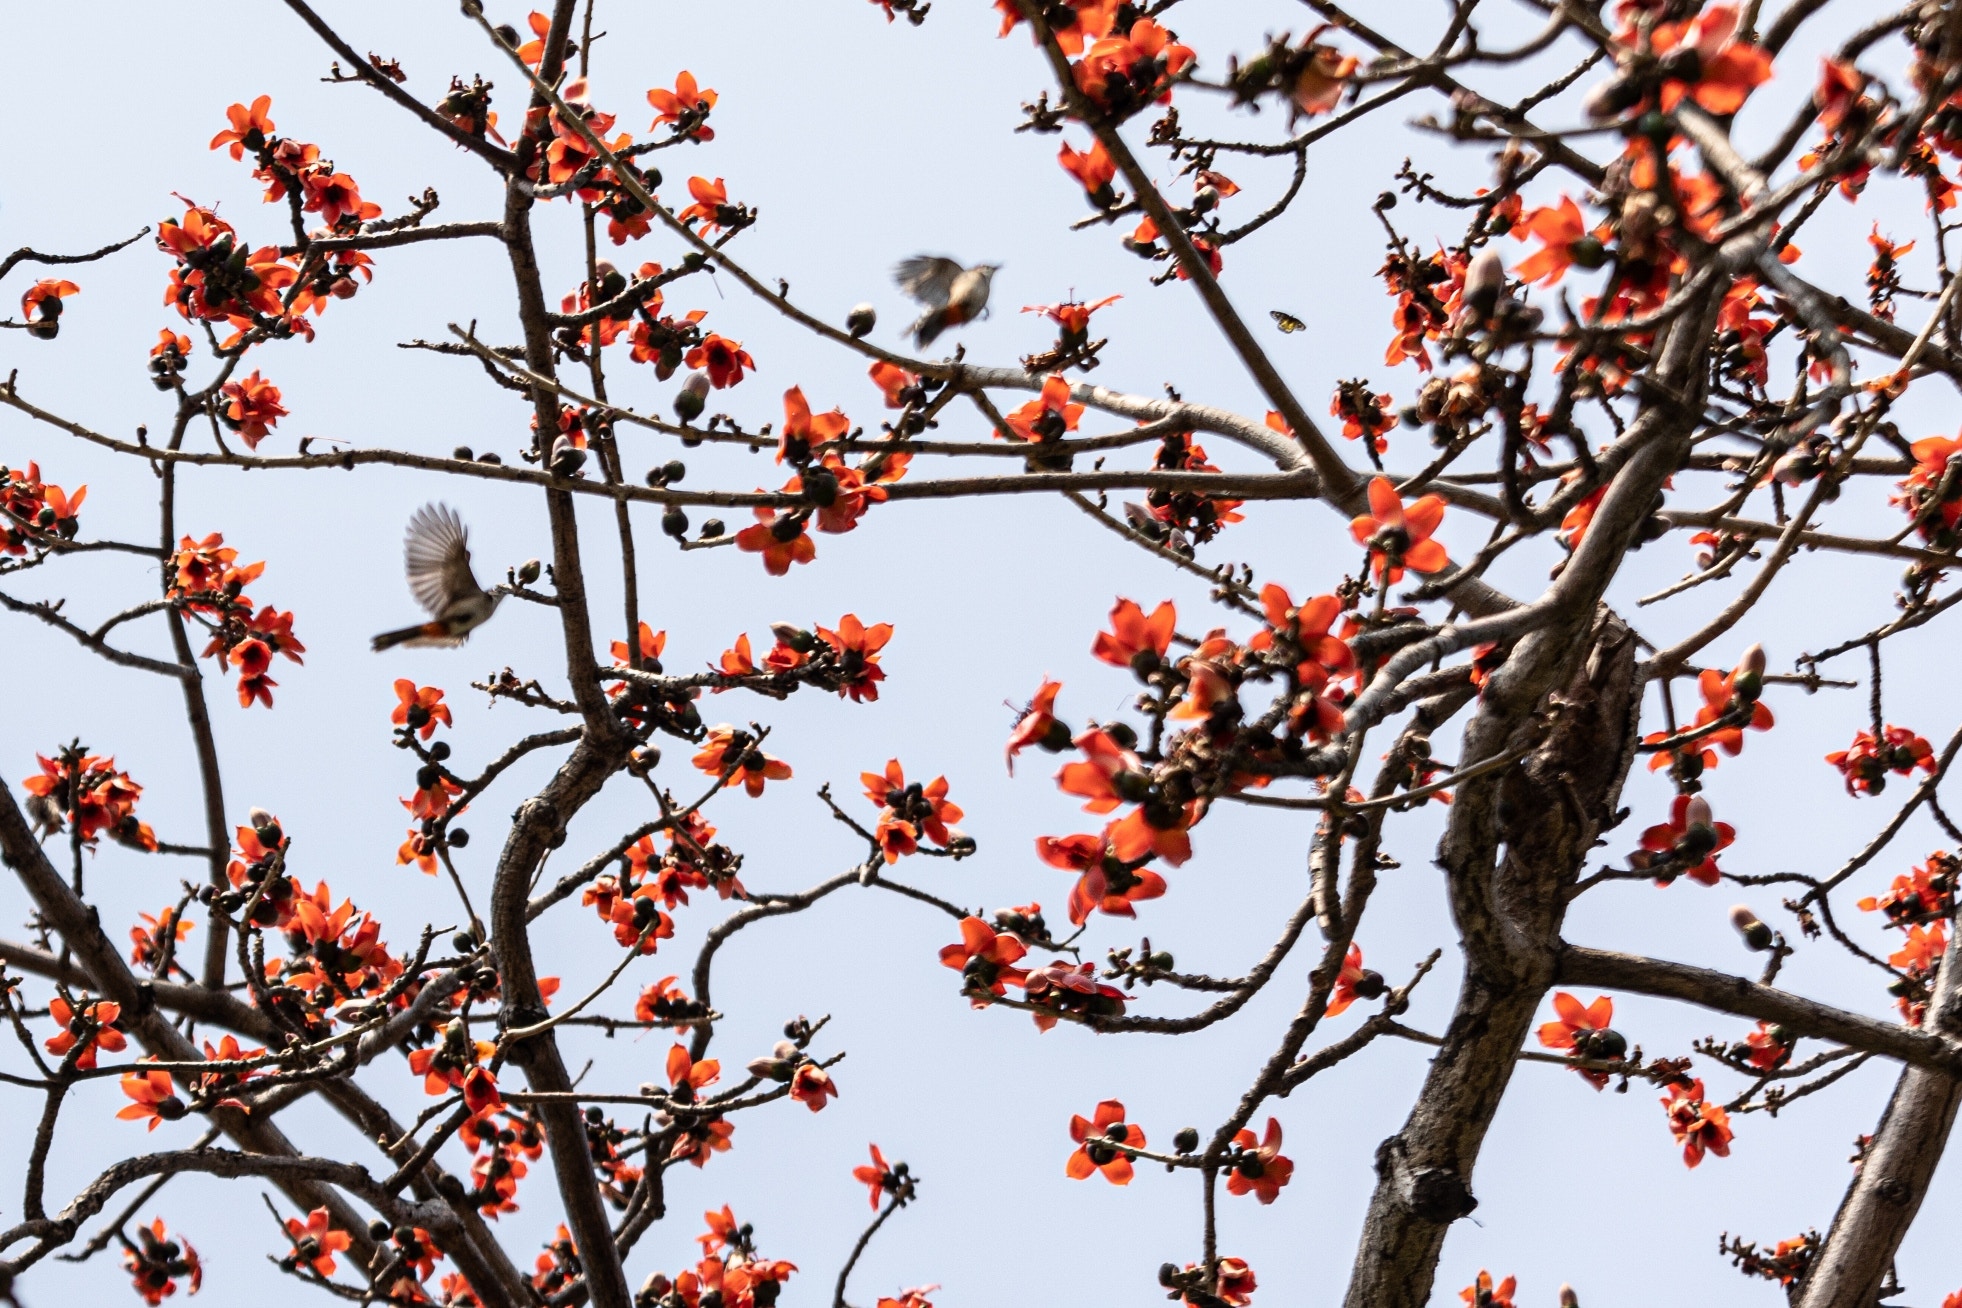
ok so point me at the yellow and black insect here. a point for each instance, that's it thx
(1287, 322)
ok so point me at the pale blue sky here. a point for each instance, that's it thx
(862, 143)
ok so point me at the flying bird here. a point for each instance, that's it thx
(952, 294)
(436, 553)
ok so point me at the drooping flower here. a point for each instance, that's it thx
(1699, 1126)
(1105, 883)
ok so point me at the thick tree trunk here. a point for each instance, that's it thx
(1547, 813)
(1893, 1177)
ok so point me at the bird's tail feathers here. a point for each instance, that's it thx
(390, 639)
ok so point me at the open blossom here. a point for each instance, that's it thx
(1106, 883)
(723, 359)
(90, 1028)
(687, 100)
(1397, 535)
(1097, 1141)
(419, 708)
(731, 753)
(1260, 1168)
(1136, 641)
(1583, 1030)
(1353, 982)
(253, 408)
(315, 1241)
(1866, 762)
(985, 959)
(1482, 1293)
(910, 811)
(1688, 843)
(1698, 1126)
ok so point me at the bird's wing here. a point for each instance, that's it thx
(928, 278)
(437, 553)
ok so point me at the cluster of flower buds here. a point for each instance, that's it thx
(89, 791)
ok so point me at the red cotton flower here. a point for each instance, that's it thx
(92, 1028)
(722, 358)
(1038, 725)
(985, 958)
(1583, 1031)
(1094, 170)
(1106, 883)
(1700, 1127)
(1687, 844)
(254, 408)
(731, 754)
(688, 101)
(856, 647)
(1071, 316)
(1482, 1293)
(781, 541)
(1398, 536)
(41, 306)
(1259, 1169)
(711, 205)
(910, 811)
(893, 381)
(1353, 982)
(155, 1262)
(419, 708)
(249, 128)
(878, 1176)
(811, 1086)
(1097, 779)
(1134, 640)
(1566, 243)
(1724, 72)
(1097, 1144)
(155, 1098)
(1732, 695)
(1049, 417)
(802, 429)
(315, 1241)
(1866, 762)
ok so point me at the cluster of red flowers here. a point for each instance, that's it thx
(1866, 762)
(1730, 704)
(32, 512)
(834, 493)
(632, 901)
(844, 659)
(909, 811)
(1686, 845)
(1700, 1127)
(205, 582)
(730, 1273)
(89, 791)
(419, 710)
(1932, 493)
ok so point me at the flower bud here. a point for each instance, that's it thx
(463, 454)
(1186, 1140)
(566, 458)
(528, 571)
(861, 320)
(1485, 281)
(1568, 1299)
(1757, 936)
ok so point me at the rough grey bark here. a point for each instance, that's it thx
(1572, 687)
(1893, 1177)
